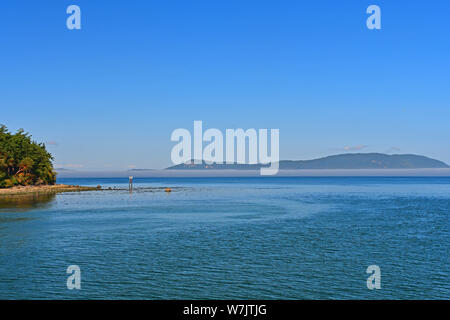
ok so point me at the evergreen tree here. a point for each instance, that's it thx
(23, 161)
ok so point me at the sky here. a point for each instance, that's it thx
(108, 96)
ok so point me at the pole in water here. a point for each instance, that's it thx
(130, 183)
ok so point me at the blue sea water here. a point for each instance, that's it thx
(231, 238)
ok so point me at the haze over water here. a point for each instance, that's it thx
(231, 238)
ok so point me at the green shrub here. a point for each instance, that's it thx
(23, 161)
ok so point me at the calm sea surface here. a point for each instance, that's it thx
(230, 238)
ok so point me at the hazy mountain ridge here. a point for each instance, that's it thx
(340, 161)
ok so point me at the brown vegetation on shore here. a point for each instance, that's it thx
(43, 189)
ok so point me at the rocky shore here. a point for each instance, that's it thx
(45, 189)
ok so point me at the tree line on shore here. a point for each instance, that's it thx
(23, 161)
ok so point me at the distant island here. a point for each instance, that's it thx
(339, 161)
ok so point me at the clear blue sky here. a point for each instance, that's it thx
(108, 96)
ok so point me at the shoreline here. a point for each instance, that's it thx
(44, 189)
(207, 173)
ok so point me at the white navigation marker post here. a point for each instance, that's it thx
(130, 183)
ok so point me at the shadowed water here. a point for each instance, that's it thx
(25, 201)
(226, 238)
